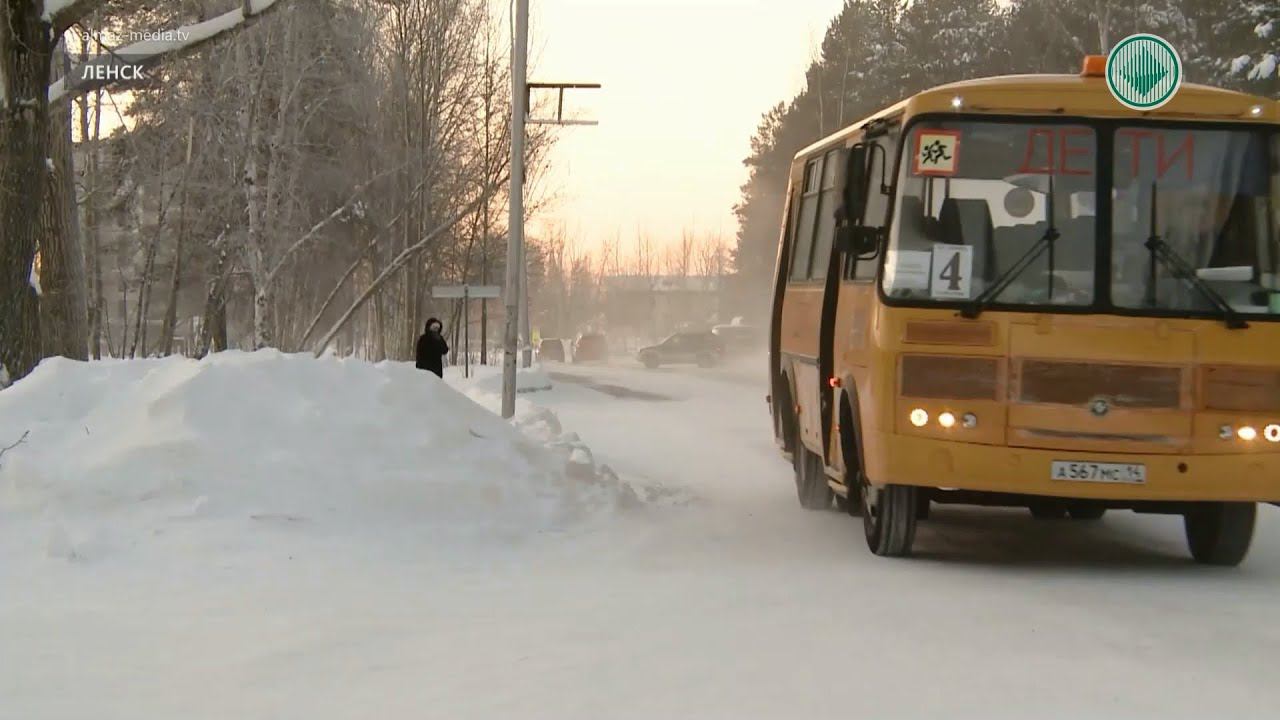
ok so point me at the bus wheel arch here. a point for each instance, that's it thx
(850, 437)
(889, 512)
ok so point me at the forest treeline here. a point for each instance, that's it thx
(299, 182)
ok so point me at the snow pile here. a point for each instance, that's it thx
(287, 440)
(487, 380)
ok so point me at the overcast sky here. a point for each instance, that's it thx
(685, 84)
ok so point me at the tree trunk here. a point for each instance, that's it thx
(143, 309)
(254, 252)
(169, 326)
(26, 46)
(89, 140)
(63, 308)
(213, 326)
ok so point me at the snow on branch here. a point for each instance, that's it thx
(327, 220)
(62, 14)
(179, 41)
(401, 260)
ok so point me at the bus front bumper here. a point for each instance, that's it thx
(985, 468)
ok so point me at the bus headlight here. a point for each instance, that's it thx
(919, 417)
(969, 420)
(947, 420)
(1272, 433)
(1247, 433)
(1226, 432)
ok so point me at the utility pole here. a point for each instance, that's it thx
(515, 232)
(516, 296)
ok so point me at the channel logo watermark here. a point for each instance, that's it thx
(116, 69)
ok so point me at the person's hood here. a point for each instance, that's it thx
(427, 327)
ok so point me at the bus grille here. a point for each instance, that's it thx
(1242, 389)
(950, 378)
(1142, 387)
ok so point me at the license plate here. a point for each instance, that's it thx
(1099, 472)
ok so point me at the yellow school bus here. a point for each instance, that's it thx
(1015, 291)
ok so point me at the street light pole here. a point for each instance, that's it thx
(515, 234)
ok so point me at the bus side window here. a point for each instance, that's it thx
(827, 202)
(802, 241)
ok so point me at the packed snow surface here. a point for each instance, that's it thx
(260, 536)
(117, 452)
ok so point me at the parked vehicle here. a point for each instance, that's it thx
(702, 348)
(551, 349)
(591, 347)
(738, 338)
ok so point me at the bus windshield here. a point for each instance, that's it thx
(984, 204)
(1006, 214)
(1209, 196)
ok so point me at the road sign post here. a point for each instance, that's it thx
(466, 293)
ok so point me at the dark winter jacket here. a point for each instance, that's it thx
(432, 349)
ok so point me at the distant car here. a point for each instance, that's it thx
(702, 348)
(551, 349)
(591, 347)
(738, 337)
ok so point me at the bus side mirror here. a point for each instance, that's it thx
(857, 240)
(855, 184)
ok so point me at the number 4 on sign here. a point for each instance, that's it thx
(952, 272)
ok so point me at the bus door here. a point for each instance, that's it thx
(848, 334)
(813, 233)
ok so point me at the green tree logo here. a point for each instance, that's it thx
(1144, 72)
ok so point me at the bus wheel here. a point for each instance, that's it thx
(811, 478)
(1086, 512)
(1220, 533)
(889, 518)
(1046, 510)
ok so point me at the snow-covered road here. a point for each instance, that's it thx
(721, 600)
(740, 604)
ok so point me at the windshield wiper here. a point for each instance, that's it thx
(1046, 242)
(1183, 270)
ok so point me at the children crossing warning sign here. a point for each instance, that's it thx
(937, 152)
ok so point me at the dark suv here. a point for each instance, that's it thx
(702, 348)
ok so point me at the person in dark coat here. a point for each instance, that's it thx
(432, 348)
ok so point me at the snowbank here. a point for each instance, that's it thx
(487, 380)
(538, 422)
(264, 437)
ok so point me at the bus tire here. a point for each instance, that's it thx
(889, 518)
(1047, 510)
(1220, 533)
(1086, 512)
(785, 417)
(811, 480)
(650, 361)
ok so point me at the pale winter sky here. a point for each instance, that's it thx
(685, 83)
